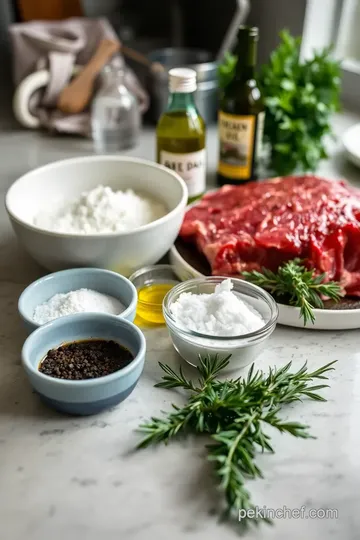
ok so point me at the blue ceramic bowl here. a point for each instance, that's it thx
(92, 395)
(103, 281)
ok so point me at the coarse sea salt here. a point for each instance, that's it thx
(222, 313)
(102, 210)
(79, 301)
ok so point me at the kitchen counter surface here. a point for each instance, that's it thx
(78, 478)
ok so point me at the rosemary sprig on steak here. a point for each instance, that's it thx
(235, 414)
(296, 285)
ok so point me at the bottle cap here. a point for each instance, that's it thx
(182, 80)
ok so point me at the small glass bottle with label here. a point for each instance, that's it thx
(181, 133)
(241, 116)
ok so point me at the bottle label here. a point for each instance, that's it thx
(191, 167)
(236, 137)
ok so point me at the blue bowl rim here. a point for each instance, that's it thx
(113, 319)
(48, 277)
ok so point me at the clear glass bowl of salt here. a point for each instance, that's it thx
(221, 316)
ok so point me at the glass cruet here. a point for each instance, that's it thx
(115, 114)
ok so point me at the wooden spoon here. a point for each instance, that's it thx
(76, 96)
(142, 59)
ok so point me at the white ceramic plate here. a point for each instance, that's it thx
(351, 142)
(325, 319)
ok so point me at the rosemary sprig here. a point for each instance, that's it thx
(235, 414)
(297, 286)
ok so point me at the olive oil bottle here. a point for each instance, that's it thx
(241, 116)
(180, 133)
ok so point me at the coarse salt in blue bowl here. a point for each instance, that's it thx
(97, 279)
(90, 396)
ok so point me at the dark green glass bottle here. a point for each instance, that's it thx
(241, 116)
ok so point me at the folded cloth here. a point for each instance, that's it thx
(59, 46)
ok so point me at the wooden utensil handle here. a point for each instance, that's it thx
(104, 52)
(76, 96)
(136, 56)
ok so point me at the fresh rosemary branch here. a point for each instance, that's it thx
(234, 413)
(298, 286)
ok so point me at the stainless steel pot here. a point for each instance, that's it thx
(207, 83)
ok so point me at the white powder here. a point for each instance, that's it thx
(222, 313)
(80, 301)
(102, 210)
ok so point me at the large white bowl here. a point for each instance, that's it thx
(63, 181)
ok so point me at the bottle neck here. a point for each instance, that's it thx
(179, 101)
(246, 52)
(113, 76)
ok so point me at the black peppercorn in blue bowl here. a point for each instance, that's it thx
(89, 395)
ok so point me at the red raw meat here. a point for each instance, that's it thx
(264, 224)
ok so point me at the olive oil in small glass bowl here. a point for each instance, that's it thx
(152, 284)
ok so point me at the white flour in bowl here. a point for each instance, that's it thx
(102, 210)
(80, 301)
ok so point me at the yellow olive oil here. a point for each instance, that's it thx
(150, 298)
(181, 133)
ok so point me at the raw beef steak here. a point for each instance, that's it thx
(264, 224)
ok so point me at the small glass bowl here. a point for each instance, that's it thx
(244, 349)
(150, 297)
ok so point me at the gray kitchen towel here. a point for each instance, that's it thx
(59, 46)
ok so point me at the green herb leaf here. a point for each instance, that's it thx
(226, 69)
(298, 286)
(234, 414)
(300, 98)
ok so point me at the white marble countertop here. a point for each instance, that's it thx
(77, 478)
